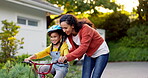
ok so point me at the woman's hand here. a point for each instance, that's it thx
(62, 59)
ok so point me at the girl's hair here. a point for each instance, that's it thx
(71, 20)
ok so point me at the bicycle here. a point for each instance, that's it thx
(43, 74)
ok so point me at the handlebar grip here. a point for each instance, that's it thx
(27, 62)
(65, 61)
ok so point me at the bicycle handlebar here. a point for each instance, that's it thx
(35, 64)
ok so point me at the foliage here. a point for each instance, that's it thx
(136, 37)
(81, 6)
(133, 47)
(120, 53)
(48, 40)
(20, 70)
(74, 71)
(9, 43)
(1, 65)
(8, 65)
(116, 25)
(21, 58)
(17, 71)
(142, 10)
(98, 19)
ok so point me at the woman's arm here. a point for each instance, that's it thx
(86, 36)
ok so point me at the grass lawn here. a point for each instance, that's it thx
(74, 71)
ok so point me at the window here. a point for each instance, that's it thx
(32, 23)
(27, 21)
(21, 21)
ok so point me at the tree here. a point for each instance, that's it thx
(98, 19)
(116, 26)
(142, 10)
(81, 6)
(84, 5)
(9, 43)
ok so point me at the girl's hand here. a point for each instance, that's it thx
(30, 58)
(62, 59)
(27, 59)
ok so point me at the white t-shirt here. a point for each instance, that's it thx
(103, 49)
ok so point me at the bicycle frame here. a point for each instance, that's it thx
(35, 67)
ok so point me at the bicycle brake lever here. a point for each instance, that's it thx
(30, 64)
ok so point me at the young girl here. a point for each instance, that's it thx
(56, 49)
(85, 40)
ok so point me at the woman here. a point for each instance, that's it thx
(56, 49)
(85, 40)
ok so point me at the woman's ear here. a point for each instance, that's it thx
(72, 26)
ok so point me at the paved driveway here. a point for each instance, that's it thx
(126, 70)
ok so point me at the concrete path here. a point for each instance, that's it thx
(126, 70)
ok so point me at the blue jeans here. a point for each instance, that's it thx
(93, 67)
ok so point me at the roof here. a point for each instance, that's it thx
(40, 5)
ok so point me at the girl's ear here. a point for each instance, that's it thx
(60, 36)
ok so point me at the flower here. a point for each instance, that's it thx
(11, 38)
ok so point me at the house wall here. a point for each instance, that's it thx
(34, 37)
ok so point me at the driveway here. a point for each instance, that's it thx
(126, 70)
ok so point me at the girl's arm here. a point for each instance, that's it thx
(30, 58)
(38, 55)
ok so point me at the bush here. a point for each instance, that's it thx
(17, 71)
(1, 65)
(116, 26)
(137, 37)
(122, 53)
(21, 58)
(20, 70)
(9, 44)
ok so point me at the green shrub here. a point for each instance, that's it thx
(1, 65)
(137, 37)
(20, 70)
(21, 58)
(17, 71)
(122, 53)
(116, 26)
(9, 44)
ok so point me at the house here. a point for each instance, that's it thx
(30, 15)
